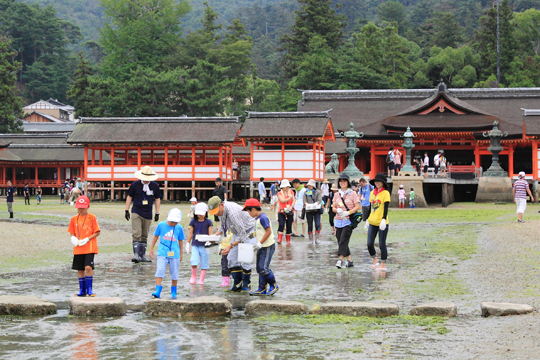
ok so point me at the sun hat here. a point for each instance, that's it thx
(284, 183)
(379, 177)
(401, 186)
(193, 199)
(251, 202)
(325, 181)
(83, 202)
(334, 187)
(521, 174)
(311, 182)
(146, 174)
(213, 205)
(201, 209)
(175, 215)
(344, 177)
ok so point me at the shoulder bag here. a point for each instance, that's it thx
(355, 218)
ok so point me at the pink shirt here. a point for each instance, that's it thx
(397, 159)
(351, 199)
(401, 194)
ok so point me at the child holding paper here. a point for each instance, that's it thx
(199, 225)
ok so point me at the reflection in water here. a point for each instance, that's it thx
(84, 340)
(379, 275)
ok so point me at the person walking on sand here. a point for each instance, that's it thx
(520, 191)
(390, 161)
(262, 190)
(346, 203)
(274, 188)
(143, 193)
(426, 164)
(378, 220)
(330, 207)
(9, 198)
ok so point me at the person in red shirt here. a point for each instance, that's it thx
(84, 230)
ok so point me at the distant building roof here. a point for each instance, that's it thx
(301, 124)
(531, 122)
(177, 130)
(29, 147)
(48, 104)
(61, 105)
(46, 116)
(58, 127)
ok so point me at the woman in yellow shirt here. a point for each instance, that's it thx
(378, 220)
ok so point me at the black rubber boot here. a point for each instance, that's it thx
(142, 252)
(136, 252)
(11, 215)
(236, 274)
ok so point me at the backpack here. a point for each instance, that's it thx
(388, 159)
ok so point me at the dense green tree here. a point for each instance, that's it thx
(455, 66)
(317, 68)
(264, 95)
(527, 26)
(393, 11)
(79, 90)
(315, 17)
(48, 77)
(10, 101)
(139, 34)
(447, 31)
(486, 41)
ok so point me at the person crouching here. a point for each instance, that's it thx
(265, 247)
(84, 230)
(170, 238)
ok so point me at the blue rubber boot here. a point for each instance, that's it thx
(173, 292)
(246, 280)
(272, 286)
(157, 294)
(237, 280)
(89, 291)
(82, 287)
(262, 287)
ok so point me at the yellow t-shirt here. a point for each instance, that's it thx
(377, 207)
(260, 231)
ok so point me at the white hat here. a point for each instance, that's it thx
(175, 215)
(312, 182)
(521, 174)
(193, 199)
(401, 186)
(146, 174)
(201, 209)
(284, 183)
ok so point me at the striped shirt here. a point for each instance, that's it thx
(239, 222)
(521, 186)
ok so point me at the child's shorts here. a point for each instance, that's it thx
(199, 254)
(82, 261)
(174, 267)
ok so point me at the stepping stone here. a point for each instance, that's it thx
(97, 306)
(282, 307)
(203, 306)
(360, 309)
(446, 309)
(504, 309)
(26, 305)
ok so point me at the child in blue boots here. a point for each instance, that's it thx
(84, 230)
(412, 195)
(170, 242)
(265, 247)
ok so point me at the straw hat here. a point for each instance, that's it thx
(146, 174)
(312, 182)
(334, 187)
(284, 183)
(325, 181)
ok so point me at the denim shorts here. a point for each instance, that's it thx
(199, 255)
(174, 267)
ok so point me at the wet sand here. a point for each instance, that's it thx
(479, 256)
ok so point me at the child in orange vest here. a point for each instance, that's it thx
(84, 230)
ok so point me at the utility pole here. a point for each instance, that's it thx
(498, 46)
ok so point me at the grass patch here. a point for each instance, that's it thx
(450, 241)
(442, 286)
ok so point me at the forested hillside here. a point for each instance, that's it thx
(202, 58)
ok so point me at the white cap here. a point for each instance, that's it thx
(175, 215)
(521, 174)
(193, 199)
(284, 183)
(201, 209)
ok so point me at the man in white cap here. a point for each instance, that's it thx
(242, 226)
(520, 190)
(143, 193)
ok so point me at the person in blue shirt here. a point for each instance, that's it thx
(274, 188)
(26, 194)
(364, 190)
(170, 237)
(9, 193)
(143, 193)
(262, 190)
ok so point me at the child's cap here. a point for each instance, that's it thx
(175, 215)
(83, 202)
(201, 209)
(401, 186)
(252, 202)
(193, 199)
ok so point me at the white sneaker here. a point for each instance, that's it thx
(339, 264)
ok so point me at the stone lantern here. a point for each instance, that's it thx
(495, 135)
(351, 136)
(408, 146)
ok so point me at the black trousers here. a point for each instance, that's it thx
(331, 216)
(285, 222)
(343, 236)
(224, 266)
